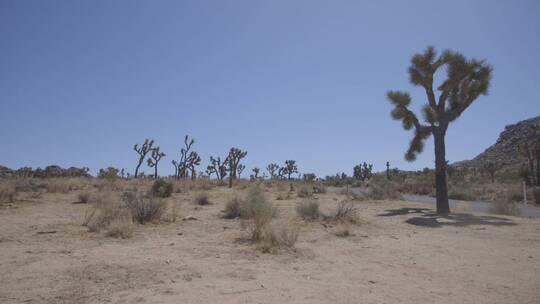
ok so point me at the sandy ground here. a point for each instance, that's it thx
(395, 255)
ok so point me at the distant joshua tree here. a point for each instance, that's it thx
(309, 177)
(154, 160)
(363, 171)
(290, 168)
(388, 176)
(466, 80)
(235, 155)
(188, 162)
(256, 172)
(142, 151)
(240, 169)
(272, 169)
(218, 167)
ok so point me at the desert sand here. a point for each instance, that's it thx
(399, 252)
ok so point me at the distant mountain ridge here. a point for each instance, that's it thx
(505, 150)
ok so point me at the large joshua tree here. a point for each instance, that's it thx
(142, 151)
(466, 79)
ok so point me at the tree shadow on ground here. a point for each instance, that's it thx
(428, 218)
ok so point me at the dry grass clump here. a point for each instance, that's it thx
(386, 191)
(345, 213)
(29, 185)
(284, 237)
(83, 197)
(121, 228)
(143, 208)
(281, 196)
(308, 210)
(7, 194)
(343, 230)
(202, 199)
(109, 215)
(303, 191)
(505, 208)
(319, 188)
(161, 188)
(257, 212)
(233, 208)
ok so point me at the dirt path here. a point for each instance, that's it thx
(400, 253)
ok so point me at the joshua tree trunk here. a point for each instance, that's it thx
(440, 174)
(155, 171)
(137, 169)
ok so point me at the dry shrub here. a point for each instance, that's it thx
(283, 196)
(29, 185)
(233, 208)
(284, 237)
(121, 228)
(161, 188)
(58, 185)
(343, 230)
(202, 199)
(461, 194)
(303, 191)
(386, 191)
(7, 194)
(83, 197)
(505, 208)
(345, 213)
(319, 188)
(109, 215)
(258, 213)
(308, 210)
(143, 208)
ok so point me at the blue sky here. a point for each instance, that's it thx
(82, 81)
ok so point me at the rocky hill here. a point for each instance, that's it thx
(505, 150)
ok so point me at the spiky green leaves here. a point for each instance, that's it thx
(466, 80)
(417, 143)
(398, 98)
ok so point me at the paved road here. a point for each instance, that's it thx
(476, 206)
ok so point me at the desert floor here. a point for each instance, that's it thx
(398, 253)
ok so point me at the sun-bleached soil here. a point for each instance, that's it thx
(396, 254)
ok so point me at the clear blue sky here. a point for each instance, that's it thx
(82, 81)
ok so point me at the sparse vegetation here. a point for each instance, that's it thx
(345, 213)
(233, 208)
(258, 213)
(308, 210)
(303, 191)
(343, 230)
(7, 194)
(506, 208)
(83, 197)
(202, 199)
(162, 188)
(144, 209)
